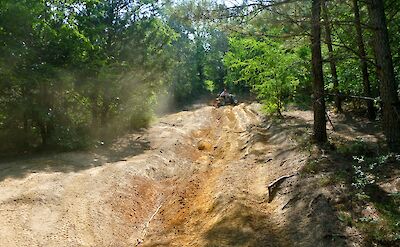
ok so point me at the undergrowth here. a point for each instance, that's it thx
(361, 167)
(368, 168)
(368, 171)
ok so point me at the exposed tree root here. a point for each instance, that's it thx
(272, 186)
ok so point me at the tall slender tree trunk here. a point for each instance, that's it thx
(320, 135)
(104, 112)
(388, 86)
(332, 61)
(45, 118)
(95, 112)
(26, 116)
(363, 60)
(25, 141)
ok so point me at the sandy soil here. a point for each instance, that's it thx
(195, 178)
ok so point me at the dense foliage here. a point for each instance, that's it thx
(72, 67)
(273, 71)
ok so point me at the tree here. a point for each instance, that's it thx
(332, 59)
(363, 60)
(270, 69)
(70, 68)
(319, 135)
(197, 53)
(126, 37)
(388, 85)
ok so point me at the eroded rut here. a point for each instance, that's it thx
(196, 178)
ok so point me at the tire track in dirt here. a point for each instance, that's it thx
(221, 204)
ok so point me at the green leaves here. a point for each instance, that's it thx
(197, 55)
(272, 71)
(70, 66)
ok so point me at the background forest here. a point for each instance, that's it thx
(76, 72)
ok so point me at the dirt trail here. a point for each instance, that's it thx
(195, 178)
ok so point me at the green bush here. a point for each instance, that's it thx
(355, 148)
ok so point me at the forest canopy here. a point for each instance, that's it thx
(75, 72)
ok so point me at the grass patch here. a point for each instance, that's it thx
(326, 181)
(355, 148)
(335, 178)
(384, 230)
(311, 167)
(345, 218)
(389, 229)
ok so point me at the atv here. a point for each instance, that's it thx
(225, 100)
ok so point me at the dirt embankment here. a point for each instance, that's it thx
(195, 178)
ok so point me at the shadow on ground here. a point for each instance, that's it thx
(19, 167)
(244, 226)
(309, 201)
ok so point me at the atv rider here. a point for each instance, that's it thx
(226, 98)
(225, 95)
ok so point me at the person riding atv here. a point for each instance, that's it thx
(225, 98)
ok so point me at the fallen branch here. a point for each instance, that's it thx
(274, 184)
(139, 241)
(330, 121)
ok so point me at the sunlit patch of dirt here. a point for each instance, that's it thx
(133, 205)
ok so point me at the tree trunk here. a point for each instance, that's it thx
(332, 61)
(363, 60)
(43, 134)
(25, 141)
(45, 117)
(26, 116)
(94, 98)
(388, 86)
(104, 112)
(317, 75)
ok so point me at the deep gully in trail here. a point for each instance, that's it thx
(205, 196)
(195, 178)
